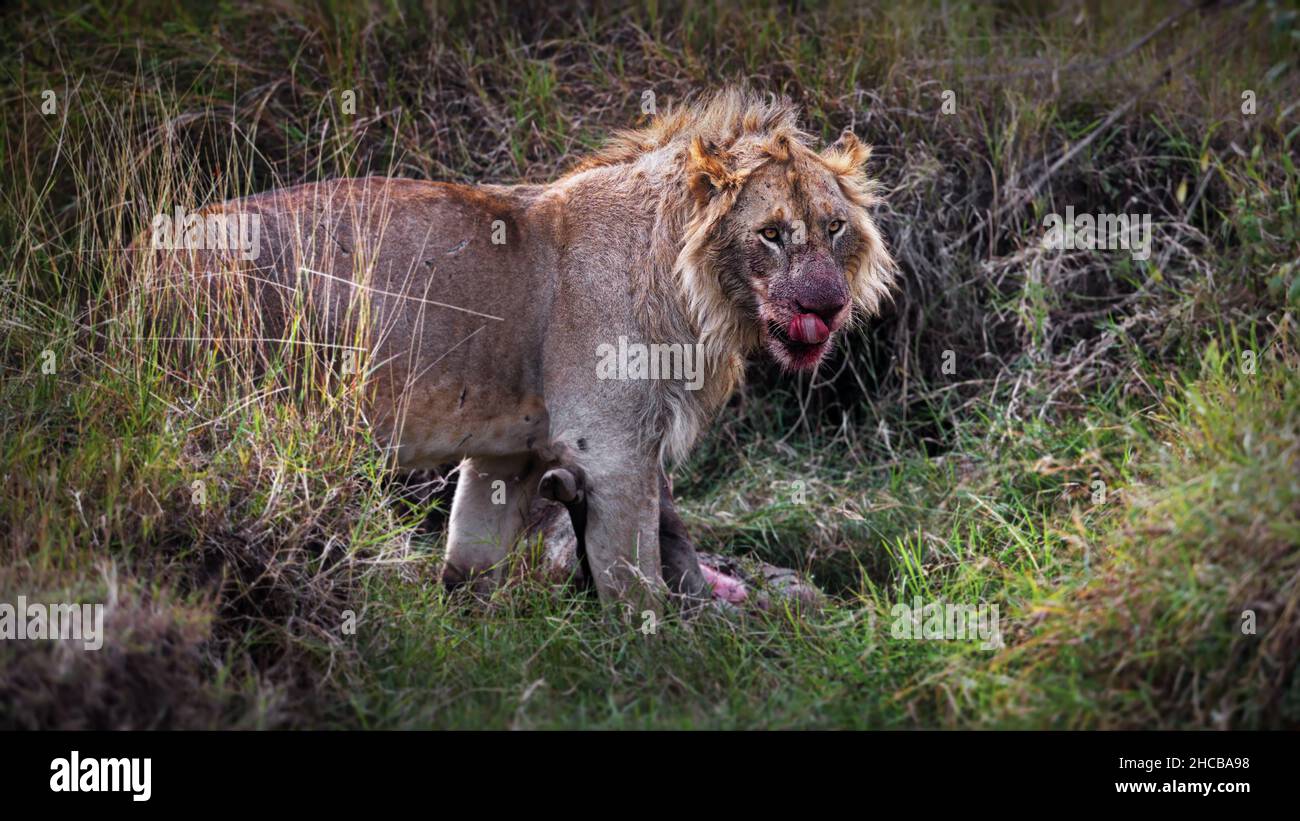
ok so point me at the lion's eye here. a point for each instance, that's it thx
(771, 234)
(835, 226)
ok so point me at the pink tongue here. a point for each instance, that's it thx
(808, 329)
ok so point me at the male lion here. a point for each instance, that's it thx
(481, 310)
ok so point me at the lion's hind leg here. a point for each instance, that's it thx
(488, 514)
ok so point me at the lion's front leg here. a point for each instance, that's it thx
(622, 538)
(681, 562)
(564, 533)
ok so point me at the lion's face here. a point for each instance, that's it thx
(792, 244)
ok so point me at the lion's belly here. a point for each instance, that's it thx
(437, 424)
(457, 385)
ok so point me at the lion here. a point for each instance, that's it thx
(481, 310)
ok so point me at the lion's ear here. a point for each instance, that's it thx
(708, 171)
(847, 154)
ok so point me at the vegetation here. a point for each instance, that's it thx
(1102, 446)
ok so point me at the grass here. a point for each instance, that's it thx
(1104, 448)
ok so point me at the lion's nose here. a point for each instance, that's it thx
(827, 306)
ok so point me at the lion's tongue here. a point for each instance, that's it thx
(808, 329)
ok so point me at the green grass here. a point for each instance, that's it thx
(1120, 614)
(1112, 460)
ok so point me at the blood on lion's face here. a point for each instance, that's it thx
(795, 243)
